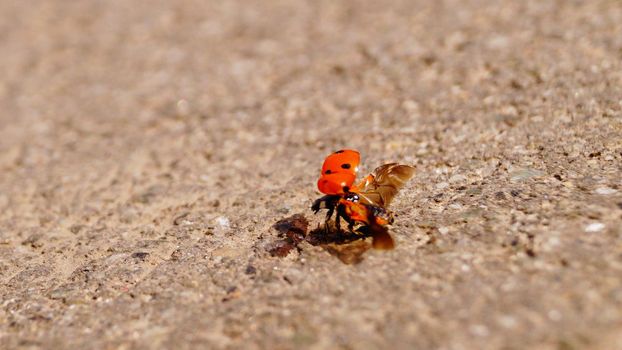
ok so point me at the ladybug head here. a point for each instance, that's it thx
(352, 197)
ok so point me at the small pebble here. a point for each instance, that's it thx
(479, 330)
(415, 277)
(605, 190)
(285, 209)
(140, 255)
(183, 108)
(223, 222)
(595, 227)
(524, 174)
(250, 270)
(457, 178)
(442, 185)
(507, 321)
(554, 315)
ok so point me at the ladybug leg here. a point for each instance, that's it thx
(341, 214)
(351, 224)
(317, 205)
(329, 213)
(327, 202)
(338, 222)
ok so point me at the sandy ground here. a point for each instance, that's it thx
(147, 148)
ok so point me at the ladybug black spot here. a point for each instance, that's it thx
(346, 189)
(340, 151)
(346, 166)
(328, 171)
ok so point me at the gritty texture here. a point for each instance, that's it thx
(148, 148)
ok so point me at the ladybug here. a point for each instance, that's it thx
(339, 172)
(363, 204)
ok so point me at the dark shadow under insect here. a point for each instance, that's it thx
(329, 234)
(346, 246)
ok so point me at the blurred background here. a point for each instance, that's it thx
(147, 148)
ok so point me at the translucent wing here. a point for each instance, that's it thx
(382, 240)
(382, 185)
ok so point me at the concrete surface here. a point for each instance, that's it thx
(148, 147)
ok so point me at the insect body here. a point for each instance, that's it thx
(363, 204)
(339, 172)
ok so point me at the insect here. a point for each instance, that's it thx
(362, 204)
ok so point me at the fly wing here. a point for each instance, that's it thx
(381, 187)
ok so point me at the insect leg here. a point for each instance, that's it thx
(325, 202)
(341, 213)
(317, 205)
(329, 213)
(338, 222)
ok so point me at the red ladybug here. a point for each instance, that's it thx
(339, 172)
(364, 204)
